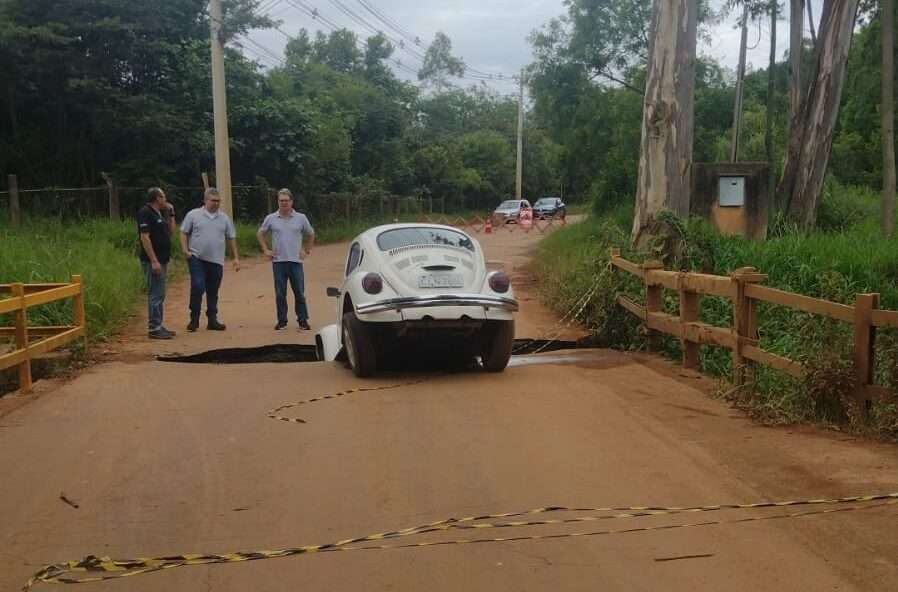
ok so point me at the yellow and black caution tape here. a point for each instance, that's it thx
(105, 568)
(276, 412)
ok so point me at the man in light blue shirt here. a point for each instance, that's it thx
(204, 233)
(292, 238)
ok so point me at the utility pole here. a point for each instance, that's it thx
(740, 78)
(220, 110)
(520, 170)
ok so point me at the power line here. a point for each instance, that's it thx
(381, 16)
(317, 16)
(470, 74)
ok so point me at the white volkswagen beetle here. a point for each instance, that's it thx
(423, 286)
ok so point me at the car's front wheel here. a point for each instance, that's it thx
(497, 345)
(359, 345)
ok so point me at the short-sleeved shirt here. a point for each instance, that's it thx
(286, 235)
(207, 234)
(155, 223)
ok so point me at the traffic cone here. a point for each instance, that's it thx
(488, 229)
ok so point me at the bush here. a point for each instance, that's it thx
(848, 257)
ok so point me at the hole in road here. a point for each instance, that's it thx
(522, 347)
(291, 353)
(266, 354)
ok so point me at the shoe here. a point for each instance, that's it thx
(172, 333)
(304, 325)
(280, 325)
(159, 334)
(193, 325)
(214, 325)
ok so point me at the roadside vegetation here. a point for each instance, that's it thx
(846, 255)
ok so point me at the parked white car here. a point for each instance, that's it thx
(510, 211)
(419, 286)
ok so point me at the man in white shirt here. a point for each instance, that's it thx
(204, 232)
(292, 238)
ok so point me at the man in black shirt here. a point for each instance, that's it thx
(155, 225)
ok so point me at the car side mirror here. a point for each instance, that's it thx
(333, 292)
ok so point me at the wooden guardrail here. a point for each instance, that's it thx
(25, 296)
(743, 289)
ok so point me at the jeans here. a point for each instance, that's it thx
(289, 271)
(205, 278)
(155, 285)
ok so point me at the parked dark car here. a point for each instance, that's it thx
(549, 207)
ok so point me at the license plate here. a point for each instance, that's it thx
(442, 280)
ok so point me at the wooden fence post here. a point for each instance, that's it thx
(114, 208)
(18, 291)
(745, 322)
(15, 209)
(78, 314)
(690, 305)
(864, 339)
(654, 302)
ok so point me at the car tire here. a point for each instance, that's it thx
(359, 345)
(497, 345)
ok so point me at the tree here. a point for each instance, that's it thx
(811, 138)
(439, 64)
(339, 50)
(665, 161)
(887, 109)
(796, 42)
(771, 92)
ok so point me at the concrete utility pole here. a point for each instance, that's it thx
(220, 110)
(520, 170)
(740, 79)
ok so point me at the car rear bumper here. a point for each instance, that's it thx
(454, 300)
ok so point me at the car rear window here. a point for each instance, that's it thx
(405, 237)
(509, 204)
(546, 201)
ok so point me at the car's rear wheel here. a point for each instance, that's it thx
(497, 344)
(359, 345)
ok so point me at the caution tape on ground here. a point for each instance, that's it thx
(568, 319)
(276, 412)
(97, 569)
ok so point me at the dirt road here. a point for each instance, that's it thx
(165, 458)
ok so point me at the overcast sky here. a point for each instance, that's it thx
(490, 35)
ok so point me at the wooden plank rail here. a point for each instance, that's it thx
(49, 338)
(824, 308)
(742, 289)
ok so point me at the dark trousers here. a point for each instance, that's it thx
(205, 278)
(155, 284)
(287, 271)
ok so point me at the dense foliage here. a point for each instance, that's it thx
(587, 79)
(124, 87)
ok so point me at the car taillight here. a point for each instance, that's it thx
(499, 282)
(373, 283)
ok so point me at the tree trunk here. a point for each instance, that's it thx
(887, 109)
(771, 78)
(810, 140)
(796, 38)
(665, 159)
(740, 78)
(811, 24)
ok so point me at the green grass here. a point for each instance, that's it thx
(846, 256)
(104, 253)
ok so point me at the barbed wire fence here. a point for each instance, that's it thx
(250, 203)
